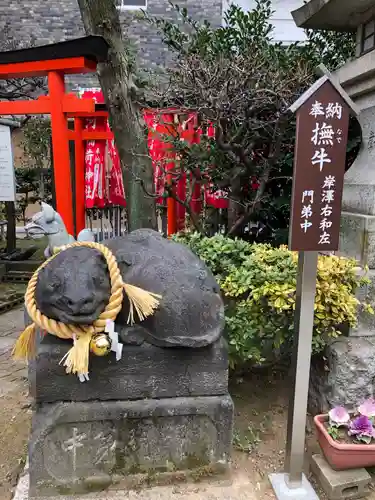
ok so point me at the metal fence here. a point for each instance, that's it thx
(107, 223)
(111, 222)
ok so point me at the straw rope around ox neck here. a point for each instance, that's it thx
(77, 359)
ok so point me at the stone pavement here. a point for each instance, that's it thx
(15, 413)
(240, 488)
(12, 374)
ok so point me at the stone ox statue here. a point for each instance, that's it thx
(75, 287)
(49, 223)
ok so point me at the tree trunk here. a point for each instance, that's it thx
(101, 17)
(235, 208)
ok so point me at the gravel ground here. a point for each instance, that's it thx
(259, 437)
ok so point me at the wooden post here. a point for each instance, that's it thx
(53, 187)
(10, 211)
(79, 175)
(171, 214)
(318, 179)
(60, 146)
(171, 202)
(73, 178)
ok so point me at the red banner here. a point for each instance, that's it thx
(160, 150)
(104, 180)
(190, 133)
(219, 198)
(116, 183)
(103, 174)
(94, 167)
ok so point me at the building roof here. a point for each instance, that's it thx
(91, 47)
(335, 15)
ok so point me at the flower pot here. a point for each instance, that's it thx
(343, 456)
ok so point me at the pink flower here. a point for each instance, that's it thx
(339, 416)
(362, 428)
(367, 408)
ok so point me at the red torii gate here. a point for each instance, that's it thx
(55, 61)
(79, 135)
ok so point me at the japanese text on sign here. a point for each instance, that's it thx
(322, 124)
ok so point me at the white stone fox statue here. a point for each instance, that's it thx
(49, 223)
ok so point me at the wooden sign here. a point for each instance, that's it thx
(318, 179)
(319, 168)
(7, 180)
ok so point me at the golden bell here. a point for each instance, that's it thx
(100, 344)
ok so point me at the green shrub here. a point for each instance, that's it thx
(258, 283)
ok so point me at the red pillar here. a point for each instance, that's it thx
(79, 175)
(171, 217)
(60, 146)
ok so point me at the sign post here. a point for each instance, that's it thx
(7, 178)
(322, 114)
(8, 185)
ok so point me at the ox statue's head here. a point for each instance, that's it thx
(74, 287)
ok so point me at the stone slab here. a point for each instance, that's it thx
(145, 371)
(346, 484)
(87, 446)
(366, 321)
(357, 238)
(344, 376)
(359, 186)
(365, 294)
(284, 492)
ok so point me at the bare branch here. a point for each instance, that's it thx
(19, 88)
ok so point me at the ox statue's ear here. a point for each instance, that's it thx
(86, 235)
(48, 212)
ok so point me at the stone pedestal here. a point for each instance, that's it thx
(155, 411)
(346, 375)
(145, 371)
